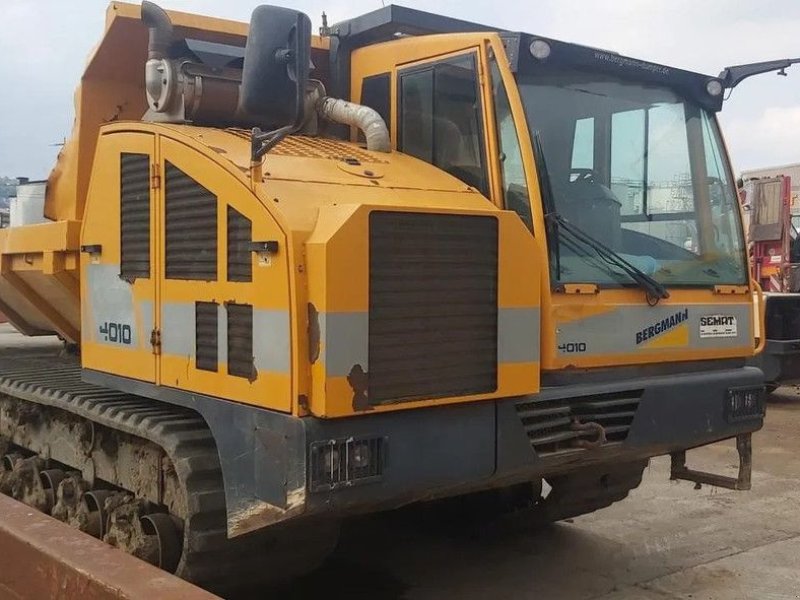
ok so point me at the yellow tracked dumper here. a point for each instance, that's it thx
(413, 258)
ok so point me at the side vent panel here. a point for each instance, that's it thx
(432, 306)
(240, 258)
(205, 334)
(191, 232)
(240, 340)
(135, 216)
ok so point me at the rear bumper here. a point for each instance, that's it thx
(445, 451)
(780, 362)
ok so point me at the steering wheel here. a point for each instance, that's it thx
(582, 174)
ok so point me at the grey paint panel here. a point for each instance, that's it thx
(345, 341)
(518, 335)
(111, 301)
(615, 332)
(222, 334)
(345, 338)
(271, 340)
(146, 313)
(271, 343)
(177, 329)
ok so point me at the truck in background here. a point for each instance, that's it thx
(768, 202)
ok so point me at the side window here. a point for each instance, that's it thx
(135, 216)
(191, 231)
(515, 188)
(440, 120)
(375, 93)
(416, 122)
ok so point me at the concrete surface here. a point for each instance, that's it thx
(666, 541)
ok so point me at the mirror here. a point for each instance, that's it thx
(276, 65)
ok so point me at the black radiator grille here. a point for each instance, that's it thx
(206, 342)
(134, 216)
(191, 214)
(560, 425)
(240, 340)
(432, 306)
(240, 261)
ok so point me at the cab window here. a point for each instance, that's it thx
(440, 118)
(515, 188)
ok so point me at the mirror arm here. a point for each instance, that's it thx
(733, 76)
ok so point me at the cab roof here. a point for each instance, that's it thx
(387, 23)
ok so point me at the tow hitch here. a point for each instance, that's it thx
(679, 470)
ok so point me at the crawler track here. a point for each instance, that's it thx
(209, 558)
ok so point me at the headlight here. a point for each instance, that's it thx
(345, 462)
(714, 87)
(540, 49)
(361, 456)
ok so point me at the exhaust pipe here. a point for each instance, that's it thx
(356, 115)
(160, 26)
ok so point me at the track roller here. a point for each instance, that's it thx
(166, 532)
(92, 508)
(51, 479)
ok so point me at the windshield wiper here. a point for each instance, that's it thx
(654, 290)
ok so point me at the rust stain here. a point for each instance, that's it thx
(302, 402)
(44, 558)
(359, 381)
(313, 333)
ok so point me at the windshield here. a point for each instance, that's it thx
(642, 171)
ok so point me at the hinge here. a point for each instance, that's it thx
(155, 177)
(155, 340)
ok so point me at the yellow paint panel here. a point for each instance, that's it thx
(268, 390)
(338, 279)
(642, 358)
(677, 338)
(102, 227)
(268, 290)
(516, 378)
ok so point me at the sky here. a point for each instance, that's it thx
(44, 45)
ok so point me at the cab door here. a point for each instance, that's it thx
(118, 262)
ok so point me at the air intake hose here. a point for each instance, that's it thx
(357, 115)
(160, 26)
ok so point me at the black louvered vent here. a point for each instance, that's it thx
(569, 424)
(432, 306)
(135, 216)
(240, 340)
(191, 245)
(240, 258)
(205, 336)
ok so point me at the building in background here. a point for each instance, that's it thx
(28, 207)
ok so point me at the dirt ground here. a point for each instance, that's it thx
(666, 541)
